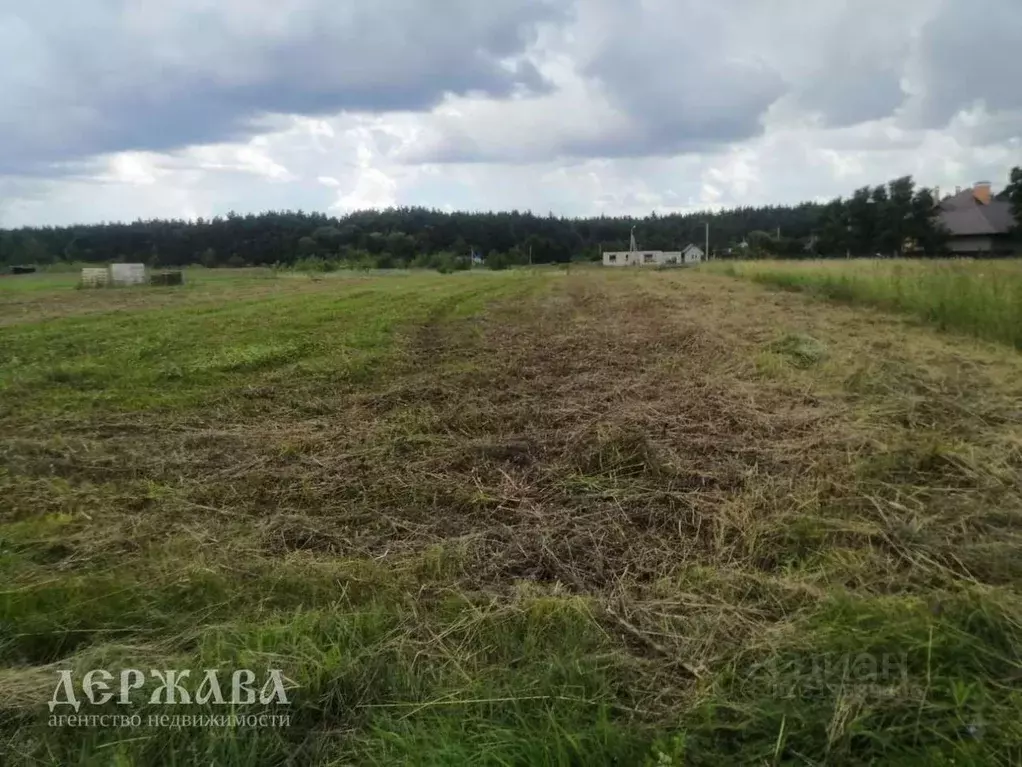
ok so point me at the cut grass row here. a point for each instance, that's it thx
(527, 531)
(980, 298)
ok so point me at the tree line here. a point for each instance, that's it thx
(891, 219)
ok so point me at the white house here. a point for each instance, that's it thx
(693, 254)
(635, 257)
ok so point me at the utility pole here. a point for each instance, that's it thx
(707, 240)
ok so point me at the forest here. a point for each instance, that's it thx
(896, 218)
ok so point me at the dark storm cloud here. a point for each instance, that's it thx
(685, 76)
(672, 76)
(969, 52)
(852, 96)
(688, 105)
(681, 73)
(78, 79)
(85, 77)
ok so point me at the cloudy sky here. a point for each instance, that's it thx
(118, 109)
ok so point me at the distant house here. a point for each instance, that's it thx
(635, 257)
(979, 223)
(693, 254)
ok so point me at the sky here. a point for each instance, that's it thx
(125, 109)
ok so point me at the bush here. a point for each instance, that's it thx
(315, 265)
(497, 261)
(425, 261)
(449, 262)
(208, 258)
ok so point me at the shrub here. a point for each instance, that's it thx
(315, 265)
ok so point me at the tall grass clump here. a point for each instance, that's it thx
(981, 298)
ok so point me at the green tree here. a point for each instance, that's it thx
(834, 229)
(497, 261)
(329, 237)
(8, 248)
(924, 227)
(35, 252)
(862, 222)
(871, 219)
(898, 215)
(762, 244)
(1014, 194)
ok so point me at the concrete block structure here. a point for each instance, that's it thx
(127, 274)
(95, 277)
(115, 274)
(692, 254)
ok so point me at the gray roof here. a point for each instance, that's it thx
(999, 214)
(963, 215)
(964, 199)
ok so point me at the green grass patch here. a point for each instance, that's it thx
(980, 298)
(181, 357)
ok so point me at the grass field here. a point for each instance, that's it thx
(982, 298)
(528, 517)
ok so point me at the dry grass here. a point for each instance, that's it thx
(978, 297)
(611, 516)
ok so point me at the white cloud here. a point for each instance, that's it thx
(373, 189)
(136, 168)
(255, 160)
